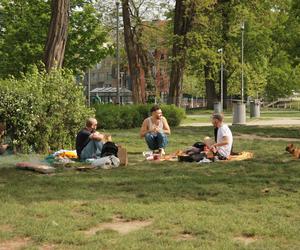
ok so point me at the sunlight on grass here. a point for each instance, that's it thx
(223, 205)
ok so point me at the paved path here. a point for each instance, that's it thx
(274, 121)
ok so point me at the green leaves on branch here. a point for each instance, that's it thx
(42, 111)
(23, 33)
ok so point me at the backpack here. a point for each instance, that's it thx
(109, 148)
(199, 145)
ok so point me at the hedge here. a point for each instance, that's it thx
(111, 116)
(42, 111)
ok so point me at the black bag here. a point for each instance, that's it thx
(191, 158)
(199, 145)
(109, 148)
(185, 158)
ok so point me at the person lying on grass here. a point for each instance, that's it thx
(88, 141)
(222, 148)
(155, 130)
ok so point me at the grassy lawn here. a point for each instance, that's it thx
(206, 118)
(252, 204)
(203, 116)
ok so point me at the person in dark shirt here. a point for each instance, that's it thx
(88, 141)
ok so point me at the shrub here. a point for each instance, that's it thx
(131, 116)
(173, 114)
(42, 110)
(108, 115)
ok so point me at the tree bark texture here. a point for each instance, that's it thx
(210, 89)
(184, 13)
(57, 34)
(135, 68)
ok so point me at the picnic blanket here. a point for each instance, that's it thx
(244, 155)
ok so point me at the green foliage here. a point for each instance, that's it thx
(23, 32)
(270, 36)
(42, 110)
(173, 114)
(222, 205)
(111, 116)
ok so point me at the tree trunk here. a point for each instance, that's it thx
(210, 89)
(136, 71)
(184, 13)
(57, 34)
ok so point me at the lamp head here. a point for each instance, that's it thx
(243, 25)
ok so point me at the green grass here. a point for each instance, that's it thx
(204, 116)
(213, 203)
(190, 119)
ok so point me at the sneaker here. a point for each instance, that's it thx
(147, 153)
(204, 160)
(161, 151)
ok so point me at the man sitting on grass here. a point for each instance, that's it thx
(222, 147)
(154, 129)
(88, 141)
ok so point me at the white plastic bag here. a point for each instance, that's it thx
(106, 162)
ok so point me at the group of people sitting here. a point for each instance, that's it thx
(155, 130)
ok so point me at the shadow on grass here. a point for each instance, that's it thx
(146, 182)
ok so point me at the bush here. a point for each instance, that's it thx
(42, 110)
(131, 116)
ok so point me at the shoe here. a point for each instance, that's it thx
(204, 160)
(161, 151)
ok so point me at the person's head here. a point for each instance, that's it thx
(2, 128)
(91, 124)
(217, 120)
(156, 112)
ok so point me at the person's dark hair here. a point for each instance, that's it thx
(154, 108)
(217, 116)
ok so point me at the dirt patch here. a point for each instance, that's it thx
(245, 240)
(262, 138)
(48, 247)
(6, 228)
(14, 244)
(185, 236)
(119, 225)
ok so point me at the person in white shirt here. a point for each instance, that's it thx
(222, 148)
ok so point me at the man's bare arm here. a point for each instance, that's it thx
(96, 136)
(144, 129)
(166, 127)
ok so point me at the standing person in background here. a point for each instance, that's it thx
(88, 141)
(155, 130)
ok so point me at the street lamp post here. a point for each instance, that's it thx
(221, 73)
(242, 82)
(118, 55)
(239, 108)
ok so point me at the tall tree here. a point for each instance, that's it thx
(184, 14)
(57, 34)
(23, 33)
(135, 68)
